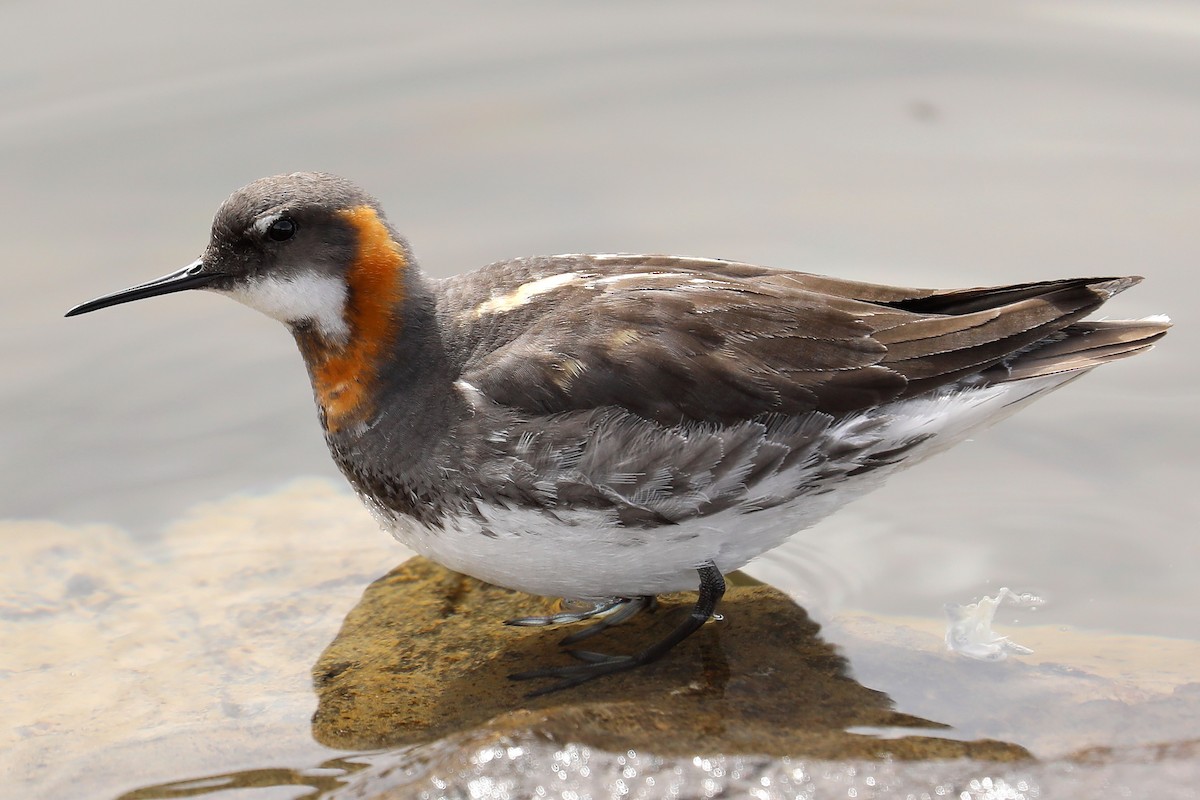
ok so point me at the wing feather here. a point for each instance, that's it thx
(675, 339)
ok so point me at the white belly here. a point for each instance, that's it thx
(583, 554)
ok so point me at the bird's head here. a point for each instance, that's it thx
(315, 252)
(309, 249)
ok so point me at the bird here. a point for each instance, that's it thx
(607, 428)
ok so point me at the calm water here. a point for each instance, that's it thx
(937, 145)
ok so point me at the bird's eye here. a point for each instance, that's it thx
(281, 229)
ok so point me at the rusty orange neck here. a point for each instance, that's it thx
(344, 375)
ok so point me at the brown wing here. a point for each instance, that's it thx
(678, 339)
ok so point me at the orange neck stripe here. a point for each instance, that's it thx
(343, 378)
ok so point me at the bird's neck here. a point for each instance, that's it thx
(389, 410)
(391, 352)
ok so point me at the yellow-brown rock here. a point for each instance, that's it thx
(424, 655)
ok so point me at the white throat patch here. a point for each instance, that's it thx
(304, 297)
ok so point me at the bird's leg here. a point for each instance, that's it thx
(712, 587)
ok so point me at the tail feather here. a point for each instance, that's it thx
(988, 327)
(967, 301)
(1081, 346)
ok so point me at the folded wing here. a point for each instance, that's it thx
(675, 339)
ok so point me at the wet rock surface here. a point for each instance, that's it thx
(424, 656)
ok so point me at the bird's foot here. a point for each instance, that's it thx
(611, 612)
(626, 610)
(596, 665)
(597, 609)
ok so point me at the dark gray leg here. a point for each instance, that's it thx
(712, 587)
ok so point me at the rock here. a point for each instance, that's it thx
(423, 656)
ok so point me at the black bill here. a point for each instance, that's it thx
(190, 277)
